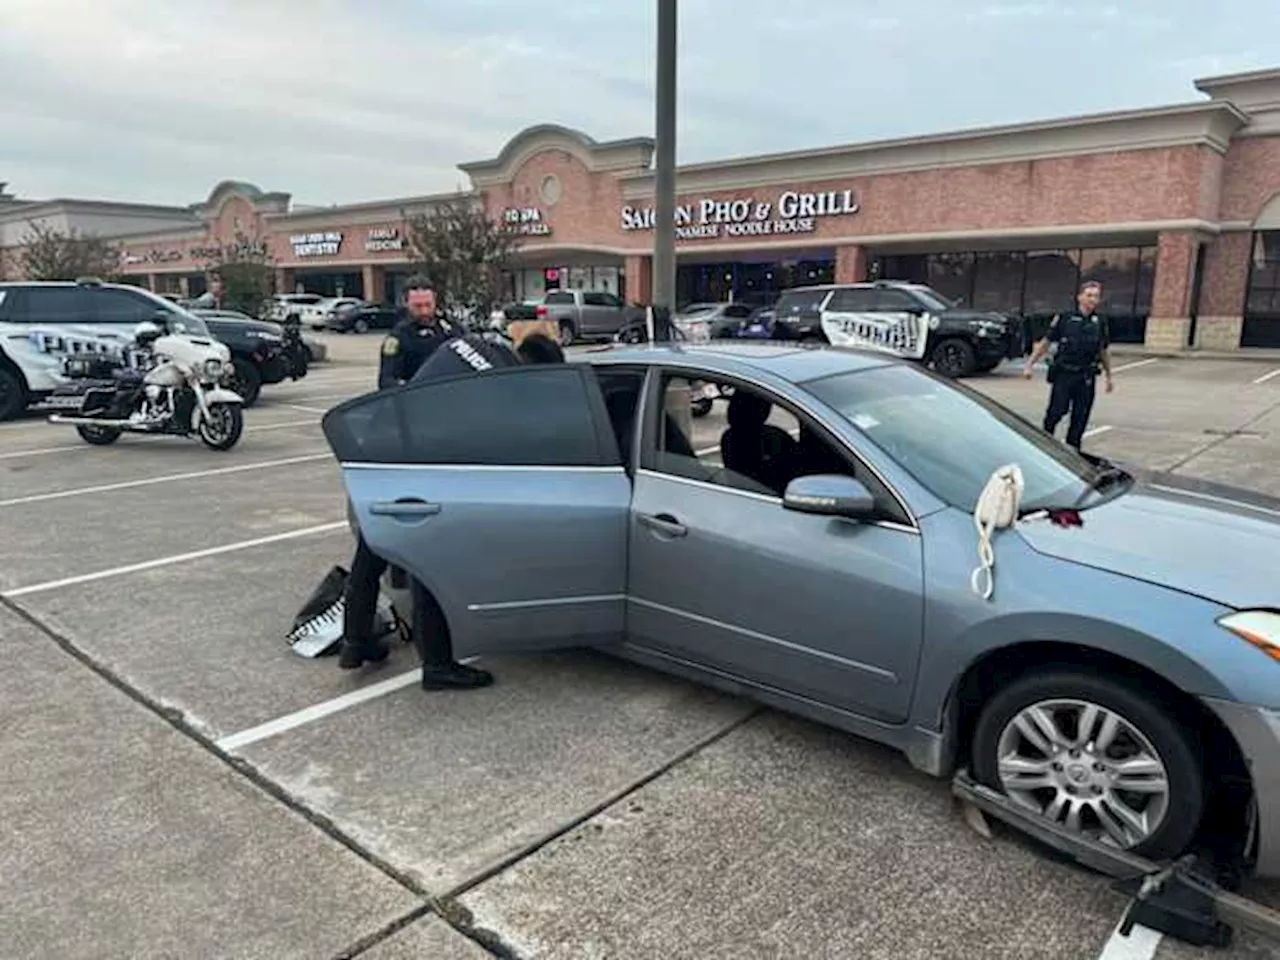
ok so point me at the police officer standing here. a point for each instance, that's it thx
(1083, 339)
(413, 339)
(406, 348)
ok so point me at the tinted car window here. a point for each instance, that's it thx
(737, 311)
(800, 303)
(57, 305)
(561, 298)
(853, 300)
(894, 301)
(525, 417)
(597, 300)
(117, 306)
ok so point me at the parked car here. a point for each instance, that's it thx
(257, 350)
(586, 314)
(721, 318)
(362, 318)
(308, 306)
(910, 319)
(44, 323)
(1124, 672)
(757, 326)
(332, 307)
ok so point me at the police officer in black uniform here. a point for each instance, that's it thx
(1083, 339)
(414, 338)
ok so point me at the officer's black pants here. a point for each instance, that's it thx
(361, 608)
(1073, 393)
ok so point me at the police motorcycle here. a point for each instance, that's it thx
(677, 330)
(167, 384)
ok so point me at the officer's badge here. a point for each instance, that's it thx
(390, 347)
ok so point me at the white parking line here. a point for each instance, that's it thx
(128, 484)
(257, 428)
(1141, 944)
(1096, 430)
(1135, 364)
(298, 406)
(1267, 376)
(168, 561)
(327, 708)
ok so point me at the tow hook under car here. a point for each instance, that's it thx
(1178, 899)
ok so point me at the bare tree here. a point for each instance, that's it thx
(463, 252)
(53, 254)
(246, 270)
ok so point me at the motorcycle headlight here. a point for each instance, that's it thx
(213, 369)
(1258, 627)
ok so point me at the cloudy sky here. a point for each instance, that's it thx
(342, 101)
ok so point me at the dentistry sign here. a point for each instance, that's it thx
(788, 213)
(316, 244)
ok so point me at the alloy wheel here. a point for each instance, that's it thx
(1086, 768)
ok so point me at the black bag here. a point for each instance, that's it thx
(317, 628)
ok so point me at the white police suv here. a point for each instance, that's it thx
(44, 323)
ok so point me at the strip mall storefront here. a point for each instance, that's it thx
(1176, 210)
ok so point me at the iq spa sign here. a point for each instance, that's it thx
(790, 212)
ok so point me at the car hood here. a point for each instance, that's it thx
(964, 315)
(243, 327)
(1216, 542)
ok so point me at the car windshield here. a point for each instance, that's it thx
(183, 321)
(952, 438)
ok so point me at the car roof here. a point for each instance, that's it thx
(793, 363)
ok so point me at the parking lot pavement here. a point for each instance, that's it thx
(579, 808)
(123, 838)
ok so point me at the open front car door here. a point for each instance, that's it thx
(502, 493)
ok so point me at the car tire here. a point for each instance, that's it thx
(1142, 723)
(13, 395)
(568, 333)
(361, 326)
(953, 358)
(248, 382)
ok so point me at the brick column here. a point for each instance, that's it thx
(374, 280)
(851, 263)
(1171, 299)
(639, 271)
(1222, 292)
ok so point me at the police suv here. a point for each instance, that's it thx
(906, 319)
(44, 323)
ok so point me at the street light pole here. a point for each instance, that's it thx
(664, 235)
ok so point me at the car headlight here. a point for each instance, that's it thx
(1258, 627)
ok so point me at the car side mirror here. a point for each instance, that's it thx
(161, 319)
(830, 495)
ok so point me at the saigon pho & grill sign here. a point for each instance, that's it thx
(791, 212)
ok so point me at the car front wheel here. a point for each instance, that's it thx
(953, 358)
(1095, 757)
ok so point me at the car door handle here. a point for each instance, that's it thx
(663, 523)
(404, 508)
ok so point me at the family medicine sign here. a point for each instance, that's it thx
(791, 212)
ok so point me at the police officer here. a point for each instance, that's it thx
(406, 348)
(1083, 339)
(413, 339)
(453, 356)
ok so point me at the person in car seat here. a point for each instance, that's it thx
(755, 448)
(455, 356)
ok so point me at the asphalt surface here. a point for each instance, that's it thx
(175, 782)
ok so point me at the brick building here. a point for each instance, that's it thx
(1175, 209)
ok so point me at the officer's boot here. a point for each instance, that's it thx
(454, 676)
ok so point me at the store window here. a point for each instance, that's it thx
(951, 274)
(997, 281)
(1262, 296)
